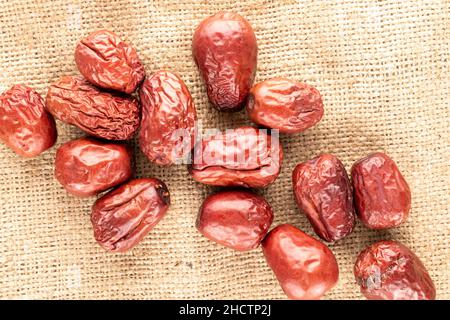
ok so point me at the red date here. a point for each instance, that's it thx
(245, 157)
(168, 118)
(382, 196)
(284, 104)
(237, 219)
(25, 126)
(323, 192)
(108, 62)
(124, 216)
(225, 51)
(86, 166)
(388, 270)
(101, 114)
(305, 267)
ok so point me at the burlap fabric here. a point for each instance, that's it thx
(383, 70)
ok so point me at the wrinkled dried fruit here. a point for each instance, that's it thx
(285, 104)
(102, 114)
(25, 126)
(382, 196)
(304, 266)
(244, 156)
(225, 51)
(108, 62)
(237, 219)
(124, 216)
(168, 118)
(87, 166)
(323, 192)
(388, 270)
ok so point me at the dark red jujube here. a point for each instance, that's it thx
(102, 114)
(285, 104)
(323, 192)
(25, 126)
(243, 157)
(225, 50)
(388, 270)
(237, 219)
(108, 62)
(124, 216)
(382, 195)
(86, 167)
(304, 266)
(167, 133)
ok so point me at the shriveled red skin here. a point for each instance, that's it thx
(25, 126)
(101, 114)
(237, 219)
(86, 167)
(240, 159)
(323, 193)
(167, 106)
(225, 50)
(388, 270)
(284, 104)
(108, 62)
(305, 268)
(124, 216)
(382, 196)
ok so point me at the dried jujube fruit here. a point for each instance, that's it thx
(124, 216)
(87, 166)
(305, 268)
(167, 133)
(388, 270)
(382, 196)
(225, 50)
(243, 157)
(108, 62)
(235, 218)
(323, 192)
(25, 126)
(285, 104)
(101, 114)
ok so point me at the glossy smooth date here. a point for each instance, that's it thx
(124, 216)
(285, 104)
(323, 192)
(225, 51)
(167, 131)
(25, 126)
(87, 166)
(101, 114)
(245, 156)
(382, 196)
(305, 267)
(388, 270)
(108, 62)
(237, 219)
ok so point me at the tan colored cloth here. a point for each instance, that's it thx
(383, 70)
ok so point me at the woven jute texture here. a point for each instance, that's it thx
(381, 66)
